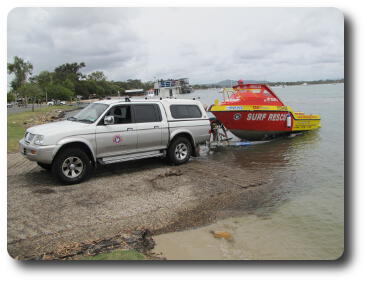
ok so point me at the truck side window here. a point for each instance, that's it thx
(121, 114)
(179, 111)
(145, 113)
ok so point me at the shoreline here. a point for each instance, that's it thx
(250, 237)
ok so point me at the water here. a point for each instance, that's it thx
(307, 219)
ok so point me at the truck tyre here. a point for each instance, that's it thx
(71, 166)
(179, 151)
(44, 165)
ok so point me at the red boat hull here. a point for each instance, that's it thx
(255, 125)
(254, 112)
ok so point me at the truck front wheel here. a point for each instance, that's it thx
(179, 151)
(71, 166)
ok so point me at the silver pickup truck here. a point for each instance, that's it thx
(111, 131)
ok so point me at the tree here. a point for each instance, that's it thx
(97, 76)
(10, 96)
(21, 69)
(68, 83)
(148, 85)
(134, 84)
(85, 88)
(106, 88)
(121, 86)
(69, 76)
(59, 92)
(32, 91)
(44, 80)
(69, 71)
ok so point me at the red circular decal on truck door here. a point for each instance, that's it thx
(117, 139)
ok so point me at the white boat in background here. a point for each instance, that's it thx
(172, 87)
(150, 93)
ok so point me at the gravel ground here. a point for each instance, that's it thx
(42, 214)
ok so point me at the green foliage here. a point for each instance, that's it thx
(97, 76)
(85, 88)
(21, 69)
(96, 88)
(43, 79)
(109, 89)
(10, 96)
(30, 91)
(67, 80)
(69, 71)
(69, 84)
(59, 92)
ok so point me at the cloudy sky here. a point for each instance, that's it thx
(203, 44)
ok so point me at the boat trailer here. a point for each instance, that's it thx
(219, 137)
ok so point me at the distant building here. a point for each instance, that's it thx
(171, 87)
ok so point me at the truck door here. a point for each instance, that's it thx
(119, 138)
(150, 126)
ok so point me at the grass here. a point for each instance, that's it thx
(117, 255)
(16, 127)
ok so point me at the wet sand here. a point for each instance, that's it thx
(253, 237)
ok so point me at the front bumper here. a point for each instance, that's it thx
(43, 154)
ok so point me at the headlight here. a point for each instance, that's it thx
(38, 139)
(28, 137)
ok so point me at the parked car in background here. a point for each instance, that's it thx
(58, 102)
(50, 103)
(9, 105)
(111, 131)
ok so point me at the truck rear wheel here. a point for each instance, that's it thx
(71, 166)
(179, 151)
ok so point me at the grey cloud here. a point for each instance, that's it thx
(204, 44)
(52, 36)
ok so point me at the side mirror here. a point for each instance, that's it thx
(109, 120)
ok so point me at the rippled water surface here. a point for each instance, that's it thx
(308, 220)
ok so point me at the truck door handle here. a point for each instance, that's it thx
(156, 127)
(129, 129)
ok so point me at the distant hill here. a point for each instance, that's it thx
(230, 83)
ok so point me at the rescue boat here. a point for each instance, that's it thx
(254, 112)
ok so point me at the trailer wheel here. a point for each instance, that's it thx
(179, 151)
(72, 166)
